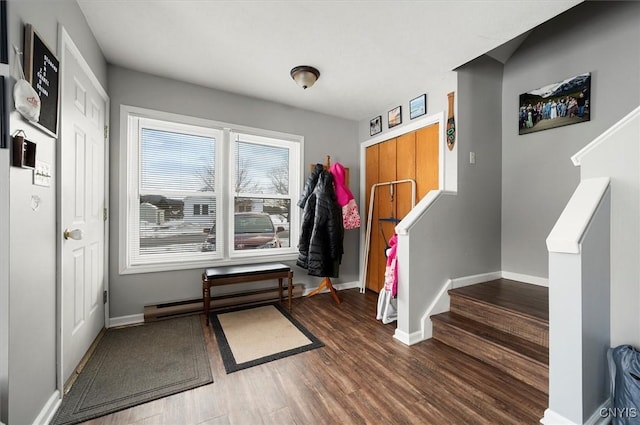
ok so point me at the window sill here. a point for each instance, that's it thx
(164, 267)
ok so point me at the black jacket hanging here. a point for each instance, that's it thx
(320, 247)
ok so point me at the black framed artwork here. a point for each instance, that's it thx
(4, 42)
(4, 114)
(375, 125)
(41, 69)
(395, 116)
(418, 106)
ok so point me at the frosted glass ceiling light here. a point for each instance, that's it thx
(305, 76)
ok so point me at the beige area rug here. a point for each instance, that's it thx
(251, 336)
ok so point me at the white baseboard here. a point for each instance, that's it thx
(347, 285)
(597, 418)
(408, 339)
(49, 409)
(134, 319)
(441, 302)
(553, 418)
(460, 282)
(338, 287)
(533, 280)
(439, 305)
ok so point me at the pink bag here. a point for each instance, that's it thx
(350, 215)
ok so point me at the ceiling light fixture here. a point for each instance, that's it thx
(305, 75)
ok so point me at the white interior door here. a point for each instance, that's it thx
(82, 207)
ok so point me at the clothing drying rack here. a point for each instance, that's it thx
(367, 240)
(326, 281)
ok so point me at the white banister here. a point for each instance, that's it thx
(607, 135)
(568, 230)
(419, 210)
(579, 305)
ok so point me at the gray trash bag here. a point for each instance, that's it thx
(624, 370)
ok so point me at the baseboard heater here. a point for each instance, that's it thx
(156, 312)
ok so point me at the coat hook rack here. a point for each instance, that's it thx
(326, 281)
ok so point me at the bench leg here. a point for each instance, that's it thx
(290, 290)
(280, 289)
(206, 301)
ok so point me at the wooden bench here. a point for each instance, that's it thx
(230, 275)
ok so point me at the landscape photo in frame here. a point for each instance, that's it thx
(555, 105)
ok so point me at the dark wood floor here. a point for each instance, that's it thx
(362, 376)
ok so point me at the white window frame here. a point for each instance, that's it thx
(295, 163)
(129, 261)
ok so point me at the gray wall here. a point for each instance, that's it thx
(32, 239)
(460, 236)
(538, 176)
(324, 135)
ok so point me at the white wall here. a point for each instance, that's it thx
(324, 135)
(617, 155)
(537, 174)
(32, 237)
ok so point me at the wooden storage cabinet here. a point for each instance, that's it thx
(414, 155)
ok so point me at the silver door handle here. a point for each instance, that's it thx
(73, 234)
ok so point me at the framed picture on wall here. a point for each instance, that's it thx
(555, 105)
(4, 42)
(4, 115)
(42, 70)
(375, 125)
(418, 106)
(395, 116)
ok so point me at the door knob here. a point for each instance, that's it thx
(73, 234)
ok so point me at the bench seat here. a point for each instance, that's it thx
(229, 275)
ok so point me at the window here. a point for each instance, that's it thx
(200, 209)
(200, 192)
(261, 170)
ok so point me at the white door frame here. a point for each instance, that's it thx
(65, 42)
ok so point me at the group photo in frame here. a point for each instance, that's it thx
(555, 105)
(394, 116)
(418, 106)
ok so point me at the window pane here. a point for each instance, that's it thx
(176, 161)
(261, 169)
(171, 225)
(261, 223)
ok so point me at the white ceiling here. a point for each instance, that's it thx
(370, 53)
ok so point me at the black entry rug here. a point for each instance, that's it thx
(137, 364)
(251, 336)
